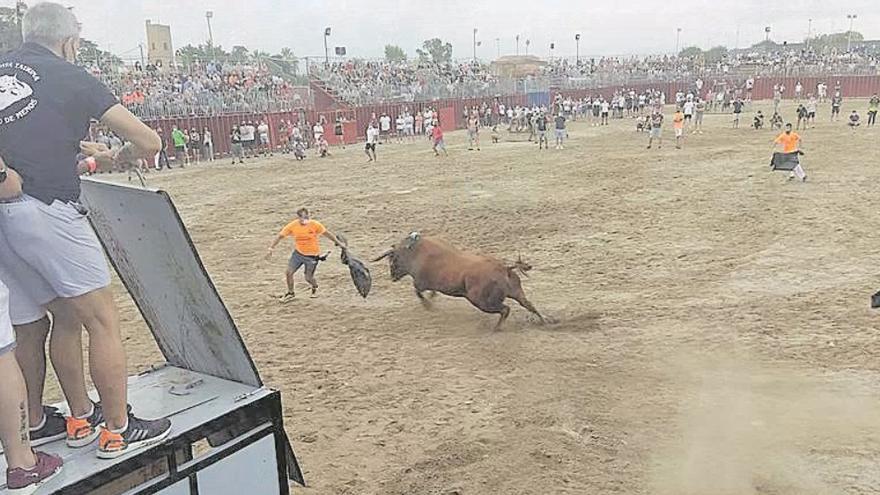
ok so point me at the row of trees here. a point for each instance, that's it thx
(432, 50)
(820, 43)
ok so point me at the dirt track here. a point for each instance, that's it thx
(715, 335)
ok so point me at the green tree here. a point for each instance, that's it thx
(435, 50)
(89, 53)
(394, 53)
(834, 40)
(286, 61)
(10, 30)
(690, 51)
(716, 53)
(239, 53)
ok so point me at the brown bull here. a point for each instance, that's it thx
(436, 266)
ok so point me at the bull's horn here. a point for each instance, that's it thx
(384, 255)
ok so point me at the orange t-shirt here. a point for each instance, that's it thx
(304, 236)
(789, 142)
(678, 120)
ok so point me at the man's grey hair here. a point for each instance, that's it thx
(49, 24)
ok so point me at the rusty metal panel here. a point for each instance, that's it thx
(156, 260)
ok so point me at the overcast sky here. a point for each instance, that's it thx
(364, 27)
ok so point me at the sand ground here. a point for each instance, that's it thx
(715, 335)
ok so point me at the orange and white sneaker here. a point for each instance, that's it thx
(82, 432)
(140, 433)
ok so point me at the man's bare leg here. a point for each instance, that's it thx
(14, 429)
(97, 312)
(30, 351)
(65, 349)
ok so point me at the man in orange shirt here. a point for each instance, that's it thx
(791, 145)
(678, 125)
(307, 249)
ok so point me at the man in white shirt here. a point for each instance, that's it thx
(399, 124)
(688, 109)
(372, 139)
(409, 125)
(265, 144)
(384, 125)
(318, 130)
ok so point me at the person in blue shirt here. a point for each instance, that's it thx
(46, 105)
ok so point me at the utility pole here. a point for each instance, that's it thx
(528, 42)
(577, 49)
(326, 50)
(475, 44)
(143, 62)
(208, 15)
(517, 44)
(852, 18)
(677, 39)
(498, 46)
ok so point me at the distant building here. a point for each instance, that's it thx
(159, 46)
(517, 66)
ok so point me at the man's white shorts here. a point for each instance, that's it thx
(7, 338)
(49, 251)
(679, 132)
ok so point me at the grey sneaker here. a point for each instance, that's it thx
(140, 433)
(20, 481)
(53, 428)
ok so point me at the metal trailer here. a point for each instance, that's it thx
(227, 432)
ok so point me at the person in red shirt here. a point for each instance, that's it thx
(437, 137)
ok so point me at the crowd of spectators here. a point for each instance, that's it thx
(363, 82)
(200, 90)
(214, 88)
(804, 62)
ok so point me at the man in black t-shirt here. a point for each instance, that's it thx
(737, 112)
(560, 131)
(541, 127)
(45, 108)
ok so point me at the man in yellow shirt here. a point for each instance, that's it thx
(791, 145)
(307, 249)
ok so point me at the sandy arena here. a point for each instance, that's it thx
(715, 335)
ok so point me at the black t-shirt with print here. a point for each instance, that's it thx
(46, 104)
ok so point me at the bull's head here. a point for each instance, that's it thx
(400, 256)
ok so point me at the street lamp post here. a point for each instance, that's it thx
(577, 49)
(208, 16)
(852, 18)
(767, 33)
(498, 46)
(528, 42)
(677, 39)
(517, 44)
(475, 44)
(326, 50)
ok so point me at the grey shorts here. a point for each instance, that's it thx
(298, 260)
(49, 251)
(560, 133)
(264, 139)
(656, 132)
